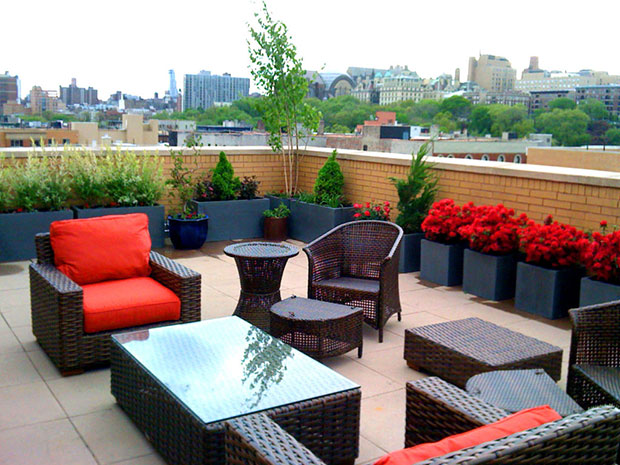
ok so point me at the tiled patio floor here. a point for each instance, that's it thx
(47, 419)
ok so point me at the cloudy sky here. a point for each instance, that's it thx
(130, 45)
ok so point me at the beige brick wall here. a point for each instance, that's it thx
(579, 197)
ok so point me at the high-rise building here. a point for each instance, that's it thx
(74, 95)
(44, 100)
(607, 94)
(204, 90)
(174, 92)
(8, 89)
(492, 73)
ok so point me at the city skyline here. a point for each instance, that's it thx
(131, 47)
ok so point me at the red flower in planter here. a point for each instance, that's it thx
(602, 257)
(553, 244)
(445, 219)
(372, 211)
(494, 229)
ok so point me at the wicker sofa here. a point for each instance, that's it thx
(56, 309)
(594, 362)
(356, 263)
(436, 409)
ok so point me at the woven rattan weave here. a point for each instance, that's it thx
(57, 315)
(436, 409)
(594, 362)
(458, 350)
(515, 390)
(260, 266)
(318, 329)
(357, 264)
(181, 383)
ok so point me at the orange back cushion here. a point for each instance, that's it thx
(515, 423)
(100, 249)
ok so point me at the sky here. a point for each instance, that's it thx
(130, 45)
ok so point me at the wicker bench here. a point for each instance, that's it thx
(458, 350)
(436, 409)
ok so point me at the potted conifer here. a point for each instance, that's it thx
(314, 214)
(416, 194)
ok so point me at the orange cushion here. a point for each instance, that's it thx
(127, 303)
(92, 250)
(520, 421)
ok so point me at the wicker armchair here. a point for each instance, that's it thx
(57, 316)
(357, 264)
(436, 409)
(594, 362)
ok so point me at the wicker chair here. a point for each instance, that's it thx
(357, 264)
(594, 362)
(436, 409)
(57, 317)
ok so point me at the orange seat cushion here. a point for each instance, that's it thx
(126, 303)
(511, 424)
(92, 250)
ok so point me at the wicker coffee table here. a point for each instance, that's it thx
(179, 385)
(458, 350)
(318, 329)
(260, 266)
(516, 390)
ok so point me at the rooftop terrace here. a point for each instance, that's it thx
(48, 419)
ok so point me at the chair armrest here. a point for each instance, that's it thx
(57, 314)
(595, 335)
(436, 409)
(184, 282)
(258, 440)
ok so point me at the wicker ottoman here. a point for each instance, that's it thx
(318, 329)
(458, 350)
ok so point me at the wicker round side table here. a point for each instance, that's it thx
(260, 266)
(318, 329)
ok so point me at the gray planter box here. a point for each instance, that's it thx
(597, 292)
(155, 213)
(309, 221)
(17, 231)
(275, 201)
(547, 292)
(489, 276)
(441, 263)
(410, 253)
(233, 219)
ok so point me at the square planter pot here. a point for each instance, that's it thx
(275, 201)
(410, 253)
(489, 276)
(547, 292)
(155, 213)
(597, 292)
(17, 231)
(308, 220)
(233, 219)
(441, 263)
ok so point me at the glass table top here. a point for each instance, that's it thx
(225, 367)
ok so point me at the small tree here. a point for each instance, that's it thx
(225, 184)
(416, 194)
(279, 74)
(329, 184)
(182, 182)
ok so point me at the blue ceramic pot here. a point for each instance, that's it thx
(188, 234)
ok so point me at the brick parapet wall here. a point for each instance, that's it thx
(576, 196)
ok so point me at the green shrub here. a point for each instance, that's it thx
(281, 211)
(329, 184)
(87, 178)
(130, 180)
(181, 181)
(416, 193)
(225, 183)
(6, 188)
(41, 184)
